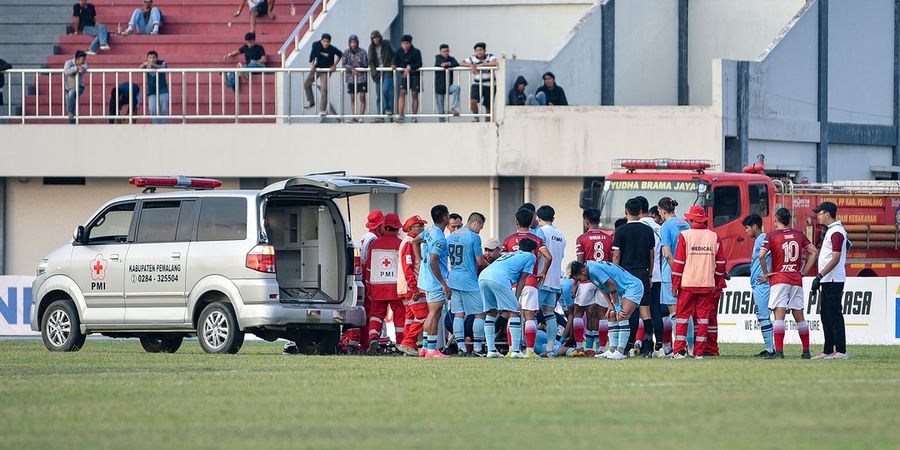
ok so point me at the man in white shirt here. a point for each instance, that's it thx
(829, 283)
(481, 79)
(549, 290)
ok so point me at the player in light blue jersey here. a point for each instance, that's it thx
(624, 292)
(753, 226)
(495, 283)
(466, 256)
(433, 275)
(668, 235)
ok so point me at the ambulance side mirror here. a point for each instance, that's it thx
(78, 235)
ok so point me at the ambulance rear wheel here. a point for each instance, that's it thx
(161, 342)
(217, 329)
(61, 327)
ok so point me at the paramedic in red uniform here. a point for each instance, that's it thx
(380, 274)
(408, 288)
(698, 270)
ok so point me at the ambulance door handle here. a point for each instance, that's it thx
(176, 255)
(114, 257)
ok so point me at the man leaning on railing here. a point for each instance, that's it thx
(157, 87)
(74, 71)
(481, 88)
(443, 81)
(381, 54)
(409, 60)
(322, 56)
(355, 58)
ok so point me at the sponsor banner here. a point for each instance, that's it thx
(15, 306)
(871, 308)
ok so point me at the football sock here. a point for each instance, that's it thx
(515, 331)
(431, 344)
(578, 326)
(531, 334)
(459, 332)
(803, 329)
(779, 335)
(647, 335)
(552, 330)
(613, 335)
(667, 331)
(641, 330)
(478, 334)
(490, 332)
(624, 334)
(765, 326)
(603, 334)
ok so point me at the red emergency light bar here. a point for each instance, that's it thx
(665, 164)
(175, 182)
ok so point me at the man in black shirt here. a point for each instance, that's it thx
(550, 93)
(84, 21)
(633, 246)
(441, 86)
(409, 59)
(322, 56)
(254, 56)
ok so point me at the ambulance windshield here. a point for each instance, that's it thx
(617, 192)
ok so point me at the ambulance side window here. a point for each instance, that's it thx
(726, 204)
(759, 199)
(222, 219)
(112, 225)
(158, 221)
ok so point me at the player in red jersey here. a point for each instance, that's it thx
(594, 245)
(785, 245)
(529, 301)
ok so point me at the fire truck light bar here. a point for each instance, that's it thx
(178, 182)
(665, 164)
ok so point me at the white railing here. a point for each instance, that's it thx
(203, 95)
(295, 37)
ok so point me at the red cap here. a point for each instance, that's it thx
(413, 220)
(392, 220)
(376, 219)
(696, 214)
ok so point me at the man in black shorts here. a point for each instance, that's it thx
(357, 81)
(633, 246)
(409, 60)
(258, 8)
(481, 79)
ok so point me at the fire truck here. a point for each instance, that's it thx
(869, 210)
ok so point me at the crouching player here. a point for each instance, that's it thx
(495, 283)
(611, 279)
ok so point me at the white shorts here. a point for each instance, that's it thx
(786, 296)
(589, 294)
(530, 299)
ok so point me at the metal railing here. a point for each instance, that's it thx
(295, 37)
(196, 94)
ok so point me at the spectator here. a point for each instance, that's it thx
(322, 56)
(127, 96)
(517, 95)
(381, 54)
(441, 85)
(258, 8)
(146, 20)
(74, 71)
(550, 93)
(481, 86)
(357, 86)
(157, 87)
(254, 56)
(4, 66)
(84, 17)
(409, 59)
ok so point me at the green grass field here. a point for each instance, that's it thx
(113, 395)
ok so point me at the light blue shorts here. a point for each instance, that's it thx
(633, 296)
(547, 296)
(466, 302)
(666, 297)
(435, 296)
(497, 296)
(761, 298)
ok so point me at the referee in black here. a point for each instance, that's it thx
(633, 246)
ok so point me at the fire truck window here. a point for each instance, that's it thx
(759, 199)
(726, 204)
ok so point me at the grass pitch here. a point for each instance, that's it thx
(113, 395)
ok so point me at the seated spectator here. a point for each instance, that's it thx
(322, 55)
(357, 86)
(381, 54)
(409, 59)
(127, 96)
(481, 83)
(254, 56)
(441, 85)
(146, 20)
(517, 95)
(74, 71)
(157, 87)
(84, 17)
(258, 8)
(550, 93)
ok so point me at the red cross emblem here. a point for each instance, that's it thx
(98, 267)
(386, 263)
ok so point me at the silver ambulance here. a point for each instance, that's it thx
(162, 266)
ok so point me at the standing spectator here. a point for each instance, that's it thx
(831, 278)
(258, 8)
(550, 93)
(381, 54)
(443, 81)
(84, 21)
(157, 87)
(355, 58)
(517, 95)
(146, 20)
(4, 66)
(322, 56)
(409, 59)
(126, 96)
(74, 71)
(254, 56)
(481, 84)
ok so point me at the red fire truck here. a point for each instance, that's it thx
(869, 210)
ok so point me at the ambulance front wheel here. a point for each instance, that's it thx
(61, 327)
